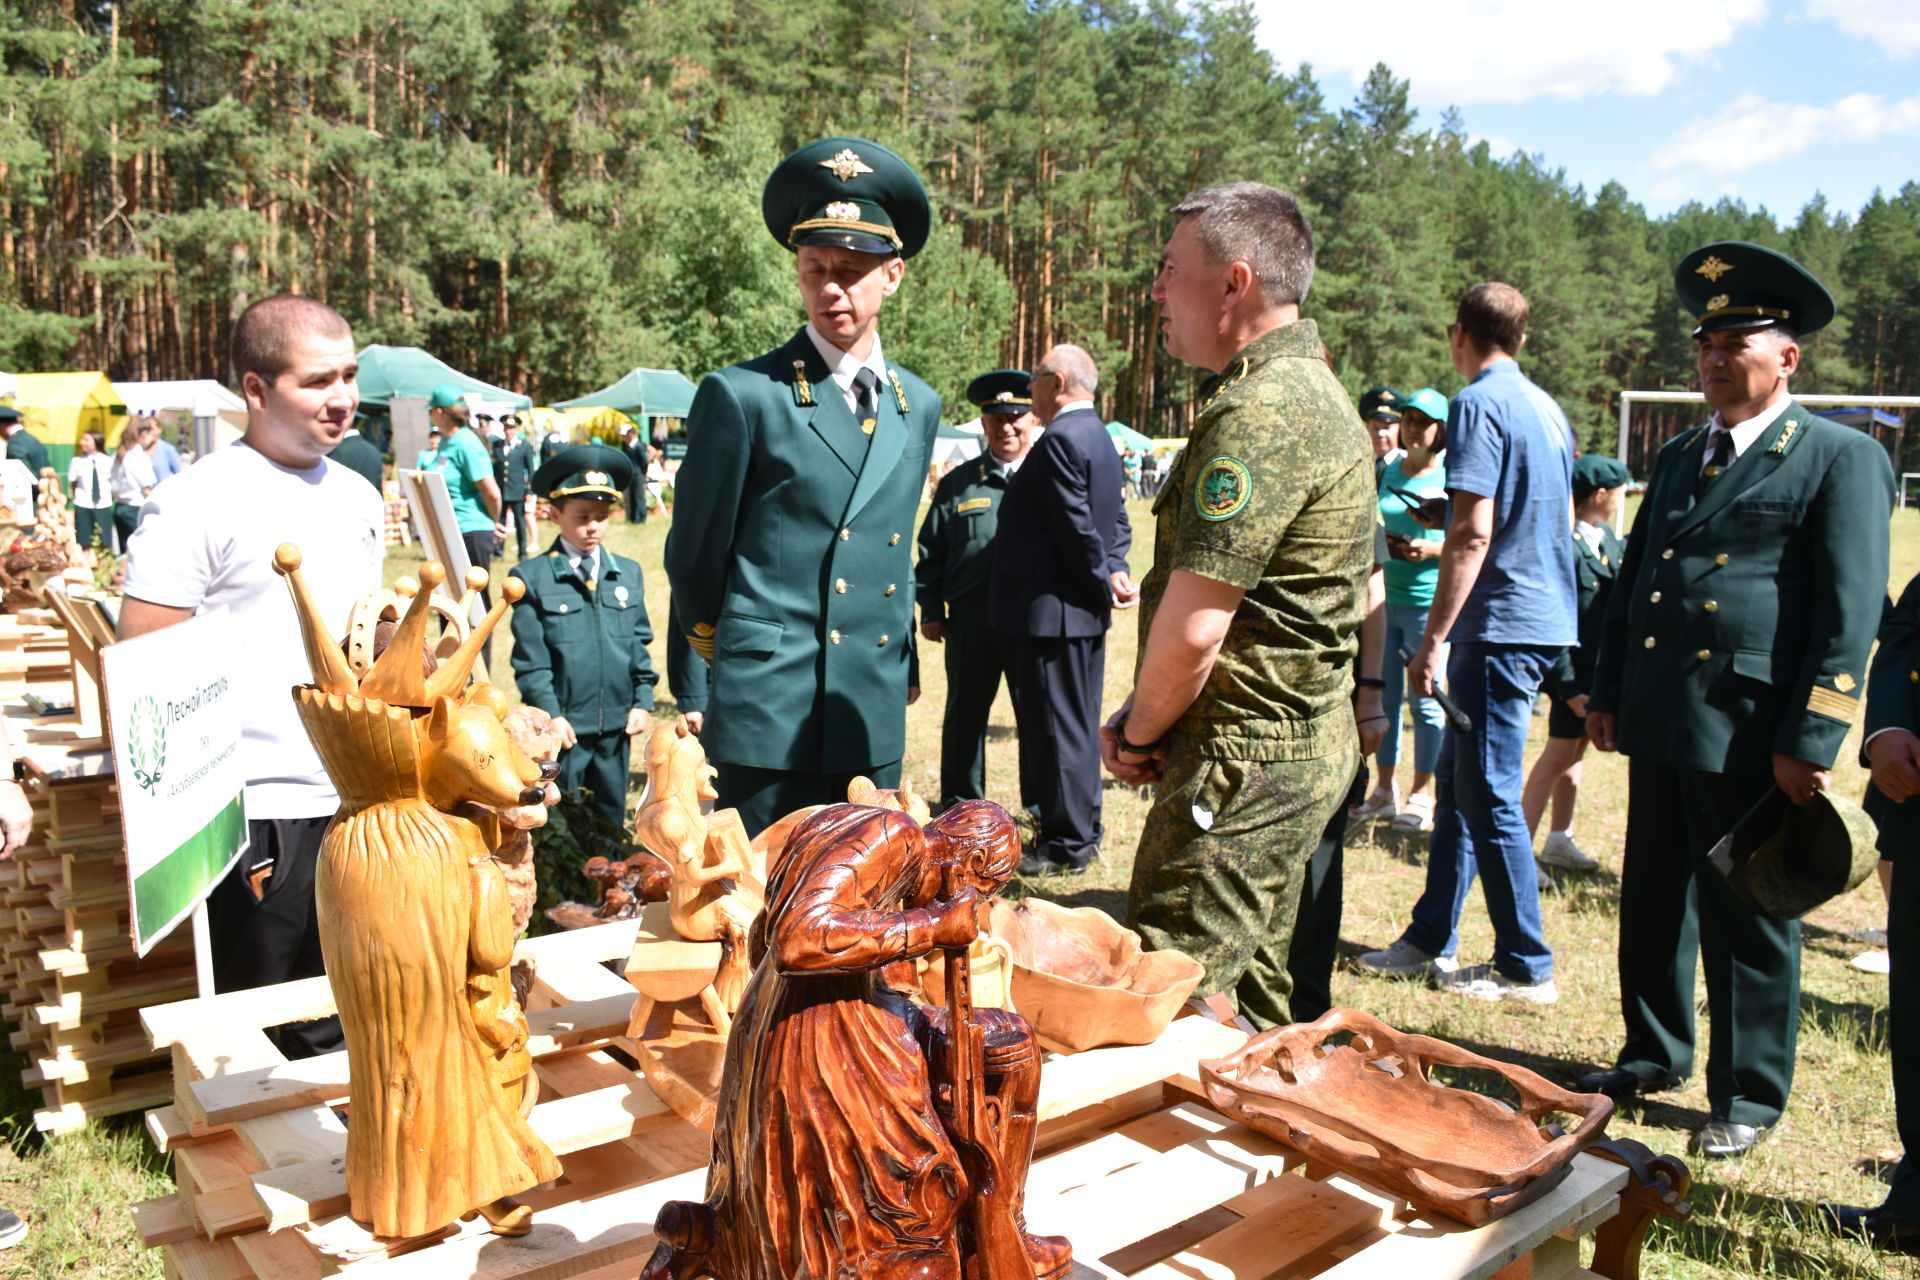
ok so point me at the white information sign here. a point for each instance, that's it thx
(175, 725)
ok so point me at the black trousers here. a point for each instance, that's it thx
(764, 796)
(1903, 1031)
(1676, 906)
(258, 942)
(1057, 705)
(637, 499)
(977, 656)
(89, 521)
(1316, 927)
(516, 515)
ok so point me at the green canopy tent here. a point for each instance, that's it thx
(643, 393)
(1129, 438)
(386, 372)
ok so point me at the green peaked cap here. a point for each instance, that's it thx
(850, 193)
(1731, 284)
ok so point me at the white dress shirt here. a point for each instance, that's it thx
(1745, 433)
(842, 365)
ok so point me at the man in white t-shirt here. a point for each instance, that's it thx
(207, 542)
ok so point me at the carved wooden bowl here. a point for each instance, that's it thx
(1366, 1106)
(1081, 979)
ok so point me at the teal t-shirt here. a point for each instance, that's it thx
(1407, 583)
(464, 461)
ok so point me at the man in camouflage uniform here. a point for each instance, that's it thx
(1241, 709)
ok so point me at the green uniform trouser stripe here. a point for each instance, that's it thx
(163, 892)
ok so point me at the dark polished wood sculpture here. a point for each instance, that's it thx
(859, 1133)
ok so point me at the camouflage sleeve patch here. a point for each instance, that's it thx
(1223, 490)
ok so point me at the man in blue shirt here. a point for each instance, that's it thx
(1506, 604)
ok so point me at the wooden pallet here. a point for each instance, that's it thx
(1132, 1166)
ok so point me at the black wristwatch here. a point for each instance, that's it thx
(1133, 749)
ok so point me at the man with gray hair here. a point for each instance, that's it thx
(1059, 571)
(1242, 707)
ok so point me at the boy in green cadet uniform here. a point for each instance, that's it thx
(580, 633)
(1731, 662)
(956, 561)
(791, 555)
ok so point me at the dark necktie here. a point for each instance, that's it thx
(864, 384)
(589, 563)
(95, 469)
(1719, 458)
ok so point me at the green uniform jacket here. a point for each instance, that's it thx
(1739, 626)
(792, 540)
(1593, 577)
(1893, 702)
(578, 653)
(26, 447)
(362, 457)
(514, 470)
(956, 538)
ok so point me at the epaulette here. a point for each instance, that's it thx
(802, 389)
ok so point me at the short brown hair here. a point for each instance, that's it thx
(1493, 317)
(263, 336)
(1261, 226)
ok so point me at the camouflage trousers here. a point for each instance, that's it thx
(1218, 871)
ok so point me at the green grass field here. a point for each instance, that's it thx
(1836, 1142)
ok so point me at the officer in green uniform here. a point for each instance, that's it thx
(580, 633)
(1380, 411)
(1892, 751)
(23, 445)
(791, 555)
(1263, 543)
(1731, 660)
(513, 470)
(956, 560)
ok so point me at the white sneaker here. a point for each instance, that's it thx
(1404, 960)
(1872, 962)
(1484, 982)
(1561, 851)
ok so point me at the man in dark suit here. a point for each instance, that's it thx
(1731, 661)
(1059, 570)
(513, 467)
(360, 455)
(791, 555)
(1892, 751)
(636, 497)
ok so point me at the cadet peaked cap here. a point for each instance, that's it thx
(8, 413)
(1429, 402)
(849, 193)
(584, 471)
(1384, 402)
(445, 396)
(1598, 471)
(1817, 851)
(1007, 391)
(1730, 284)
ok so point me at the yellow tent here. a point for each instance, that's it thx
(59, 408)
(579, 425)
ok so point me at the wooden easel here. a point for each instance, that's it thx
(88, 631)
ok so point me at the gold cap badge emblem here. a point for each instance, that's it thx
(845, 165)
(1003, 397)
(596, 477)
(846, 209)
(1712, 268)
(1843, 682)
(1718, 301)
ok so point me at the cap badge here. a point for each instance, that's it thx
(846, 210)
(1843, 682)
(845, 165)
(1713, 268)
(1718, 301)
(1003, 398)
(596, 477)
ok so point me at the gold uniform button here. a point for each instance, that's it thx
(834, 636)
(883, 641)
(845, 534)
(1667, 554)
(891, 588)
(1654, 598)
(840, 585)
(1711, 606)
(1913, 677)
(1704, 654)
(1720, 559)
(1649, 642)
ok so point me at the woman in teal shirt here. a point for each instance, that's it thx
(1413, 571)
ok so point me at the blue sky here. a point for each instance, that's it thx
(1676, 99)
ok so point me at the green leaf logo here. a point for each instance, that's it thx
(147, 742)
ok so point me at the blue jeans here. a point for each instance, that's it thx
(1406, 624)
(1478, 824)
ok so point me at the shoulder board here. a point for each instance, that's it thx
(802, 389)
(1228, 377)
(899, 392)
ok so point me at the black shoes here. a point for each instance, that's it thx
(1033, 864)
(1725, 1140)
(1623, 1085)
(1882, 1229)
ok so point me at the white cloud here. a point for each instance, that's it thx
(1752, 131)
(1894, 25)
(1510, 50)
(1499, 145)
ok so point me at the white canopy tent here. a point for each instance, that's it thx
(9, 386)
(219, 416)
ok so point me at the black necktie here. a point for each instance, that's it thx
(1719, 458)
(95, 469)
(588, 564)
(864, 383)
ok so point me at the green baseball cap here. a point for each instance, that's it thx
(584, 470)
(850, 193)
(1383, 402)
(1004, 391)
(1598, 471)
(445, 396)
(1731, 284)
(1427, 401)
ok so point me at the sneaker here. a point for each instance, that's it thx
(1872, 937)
(1872, 962)
(1404, 960)
(1484, 982)
(1561, 851)
(12, 1229)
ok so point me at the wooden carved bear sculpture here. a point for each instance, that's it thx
(417, 924)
